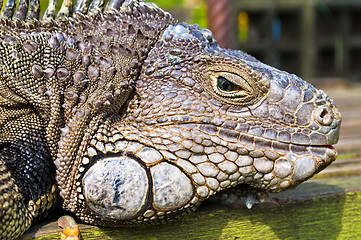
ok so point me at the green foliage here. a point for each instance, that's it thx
(169, 4)
(195, 8)
(199, 14)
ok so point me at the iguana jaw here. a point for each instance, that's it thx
(108, 167)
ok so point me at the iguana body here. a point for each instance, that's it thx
(137, 118)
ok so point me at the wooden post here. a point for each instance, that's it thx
(308, 53)
(220, 22)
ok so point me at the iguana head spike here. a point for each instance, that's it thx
(96, 5)
(9, 9)
(115, 4)
(82, 6)
(34, 10)
(22, 10)
(65, 9)
(50, 11)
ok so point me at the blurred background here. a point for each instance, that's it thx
(319, 40)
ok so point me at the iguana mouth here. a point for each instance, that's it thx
(242, 194)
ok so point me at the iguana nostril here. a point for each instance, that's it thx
(324, 115)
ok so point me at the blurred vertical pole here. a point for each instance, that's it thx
(220, 21)
(308, 53)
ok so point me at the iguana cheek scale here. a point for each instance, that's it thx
(154, 118)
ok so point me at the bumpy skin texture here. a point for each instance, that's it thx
(137, 118)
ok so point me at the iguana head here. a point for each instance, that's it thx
(201, 119)
(224, 111)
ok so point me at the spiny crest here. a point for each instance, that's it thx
(29, 10)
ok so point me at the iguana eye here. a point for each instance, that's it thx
(224, 85)
(230, 85)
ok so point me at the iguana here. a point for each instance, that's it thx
(132, 117)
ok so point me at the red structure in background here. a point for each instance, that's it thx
(219, 14)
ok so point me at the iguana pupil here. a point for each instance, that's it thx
(225, 85)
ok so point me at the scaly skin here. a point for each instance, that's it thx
(137, 118)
